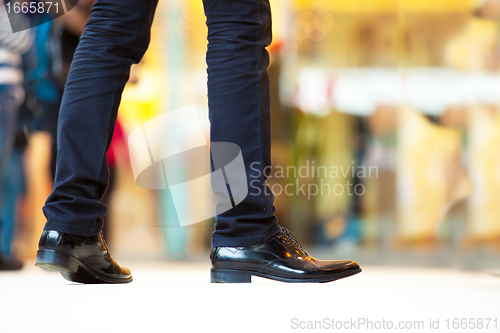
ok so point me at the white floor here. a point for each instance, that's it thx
(177, 297)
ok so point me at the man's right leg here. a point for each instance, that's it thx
(116, 36)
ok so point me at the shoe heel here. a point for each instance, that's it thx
(55, 261)
(229, 276)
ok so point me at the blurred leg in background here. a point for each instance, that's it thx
(12, 46)
(11, 174)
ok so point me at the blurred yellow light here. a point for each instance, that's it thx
(389, 6)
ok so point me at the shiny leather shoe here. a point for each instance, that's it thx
(281, 258)
(79, 259)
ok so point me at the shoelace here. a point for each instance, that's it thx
(105, 245)
(287, 236)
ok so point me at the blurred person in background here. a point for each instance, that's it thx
(12, 46)
(247, 241)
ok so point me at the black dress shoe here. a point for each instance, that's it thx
(79, 259)
(10, 263)
(281, 258)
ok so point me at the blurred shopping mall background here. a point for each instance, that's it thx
(406, 89)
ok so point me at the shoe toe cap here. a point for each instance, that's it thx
(125, 271)
(339, 266)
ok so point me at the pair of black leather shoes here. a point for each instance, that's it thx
(281, 258)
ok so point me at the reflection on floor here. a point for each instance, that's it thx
(177, 297)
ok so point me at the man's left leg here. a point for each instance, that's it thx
(247, 240)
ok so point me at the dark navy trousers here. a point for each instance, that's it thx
(117, 36)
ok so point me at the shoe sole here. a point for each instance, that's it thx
(240, 276)
(71, 268)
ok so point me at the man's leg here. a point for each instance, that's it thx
(116, 36)
(238, 100)
(248, 240)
